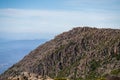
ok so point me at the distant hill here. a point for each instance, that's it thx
(79, 54)
(12, 51)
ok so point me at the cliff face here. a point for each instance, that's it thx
(81, 53)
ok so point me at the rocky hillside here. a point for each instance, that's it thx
(81, 53)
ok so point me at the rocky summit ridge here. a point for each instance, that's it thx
(82, 53)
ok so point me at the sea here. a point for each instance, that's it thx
(12, 51)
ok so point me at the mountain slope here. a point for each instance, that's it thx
(12, 51)
(86, 53)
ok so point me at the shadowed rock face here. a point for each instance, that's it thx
(79, 53)
(113, 78)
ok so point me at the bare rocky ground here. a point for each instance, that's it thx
(29, 76)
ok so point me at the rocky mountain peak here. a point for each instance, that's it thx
(82, 53)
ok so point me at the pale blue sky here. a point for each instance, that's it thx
(36, 19)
